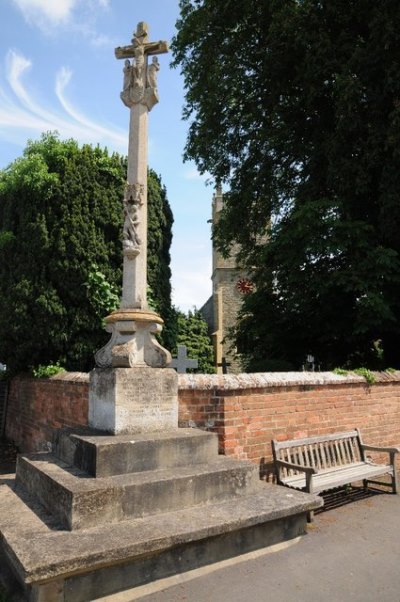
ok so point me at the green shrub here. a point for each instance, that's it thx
(47, 371)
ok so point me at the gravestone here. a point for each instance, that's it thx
(224, 365)
(182, 362)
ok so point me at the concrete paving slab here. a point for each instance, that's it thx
(350, 554)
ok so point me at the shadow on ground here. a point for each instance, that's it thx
(347, 495)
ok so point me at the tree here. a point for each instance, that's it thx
(60, 251)
(160, 220)
(295, 107)
(193, 333)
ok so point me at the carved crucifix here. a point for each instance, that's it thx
(140, 84)
(133, 326)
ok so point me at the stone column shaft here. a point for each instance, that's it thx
(134, 287)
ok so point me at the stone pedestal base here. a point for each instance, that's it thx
(131, 400)
(132, 342)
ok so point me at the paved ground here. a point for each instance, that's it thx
(350, 554)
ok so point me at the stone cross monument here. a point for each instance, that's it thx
(133, 326)
(131, 390)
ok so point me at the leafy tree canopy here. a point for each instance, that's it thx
(295, 106)
(60, 251)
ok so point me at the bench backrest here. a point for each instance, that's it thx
(321, 452)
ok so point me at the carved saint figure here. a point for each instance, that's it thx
(132, 202)
(152, 73)
(127, 74)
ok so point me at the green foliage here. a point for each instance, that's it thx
(47, 371)
(340, 371)
(300, 120)
(367, 374)
(60, 251)
(192, 331)
(3, 596)
(103, 296)
(160, 220)
(5, 375)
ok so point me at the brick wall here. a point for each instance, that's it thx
(246, 410)
(36, 407)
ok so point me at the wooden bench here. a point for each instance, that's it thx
(321, 463)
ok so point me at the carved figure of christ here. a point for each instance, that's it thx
(140, 97)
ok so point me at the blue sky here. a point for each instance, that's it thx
(58, 72)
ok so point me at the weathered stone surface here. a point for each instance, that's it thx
(260, 380)
(79, 502)
(129, 400)
(106, 455)
(132, 340)
(110, 558)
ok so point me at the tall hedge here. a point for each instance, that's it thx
(60, 229)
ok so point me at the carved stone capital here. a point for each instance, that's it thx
(132, 343)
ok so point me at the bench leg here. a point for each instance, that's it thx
(310, 516)
(365, 483)
(394, 481)
(394, 476)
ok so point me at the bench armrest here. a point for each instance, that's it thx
(306, 469)
(389, 450)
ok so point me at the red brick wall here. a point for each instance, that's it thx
(36, 407)
(246, 410)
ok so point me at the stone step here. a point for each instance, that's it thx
(78, 566)
(80, 502)
(106, 455)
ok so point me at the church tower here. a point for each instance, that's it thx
(228, 284)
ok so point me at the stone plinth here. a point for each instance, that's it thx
(107, 455)
(133, 400)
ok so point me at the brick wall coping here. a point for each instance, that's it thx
(260, 380)
(257, 380)
(82, 377)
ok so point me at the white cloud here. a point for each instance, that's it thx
(23, 112)
(16, 65)
(62, 80)
(72, 16)
(38, 12)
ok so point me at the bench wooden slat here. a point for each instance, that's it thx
(312, 440)
(342, 451)
(337, 459)
(323, 456)
(332, 479)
